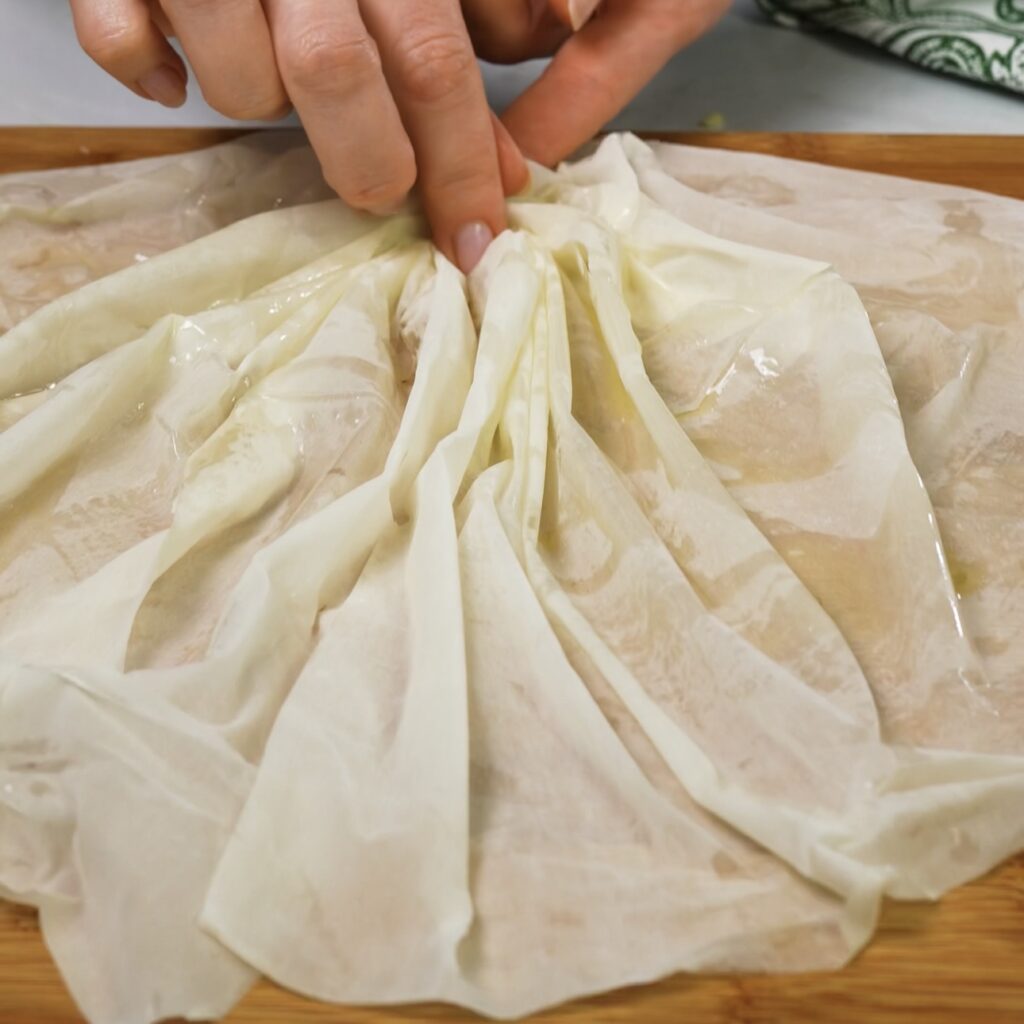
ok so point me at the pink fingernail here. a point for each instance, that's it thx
(166, 85)
(471, 241)
(580, 12)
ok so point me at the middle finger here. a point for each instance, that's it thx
(333, 74)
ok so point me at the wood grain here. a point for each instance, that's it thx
(37, 149)
(960, 961)
(991, 162)
(994, 163)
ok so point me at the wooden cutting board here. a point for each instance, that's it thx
(960, 961)
(991, 162)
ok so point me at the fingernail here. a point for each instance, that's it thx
(580, 12)
(166, 85)
(471, 241)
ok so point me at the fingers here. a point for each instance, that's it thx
(332, 70)
(228, 44)
(599, 70)
(121, 37)
(432, 70)
(515, 175)
(387, 94)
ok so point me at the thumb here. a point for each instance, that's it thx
(515, 175)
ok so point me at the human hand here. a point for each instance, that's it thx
(604, 54)
(389, 92)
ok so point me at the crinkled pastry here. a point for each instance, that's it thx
(647, 602)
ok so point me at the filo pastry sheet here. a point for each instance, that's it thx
(652, 600)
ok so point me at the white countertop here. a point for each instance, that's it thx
(757, 76)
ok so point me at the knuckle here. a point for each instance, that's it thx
(320, 59)
(379, 192)
(110, 40)
(434, 66)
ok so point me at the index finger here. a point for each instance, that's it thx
(430, 65)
